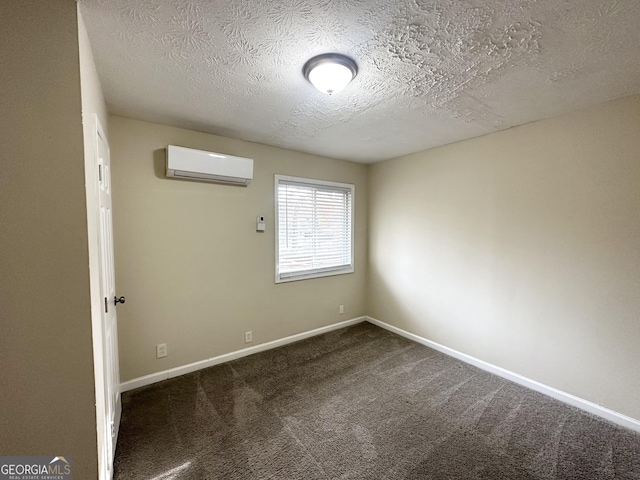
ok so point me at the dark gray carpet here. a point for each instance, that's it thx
(361, 403)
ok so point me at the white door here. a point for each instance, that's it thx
(112, 405)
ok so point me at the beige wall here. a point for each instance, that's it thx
(47, 404)
(521, 248)
(195, 272)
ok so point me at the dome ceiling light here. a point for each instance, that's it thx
(330, 72)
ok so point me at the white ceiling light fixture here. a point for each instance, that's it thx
(330, 72)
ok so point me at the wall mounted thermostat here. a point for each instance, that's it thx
(260, 224)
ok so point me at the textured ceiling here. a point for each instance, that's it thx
(430, 72)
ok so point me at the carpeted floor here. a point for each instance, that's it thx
(361, 403)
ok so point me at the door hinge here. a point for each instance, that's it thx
(106, 305)
(100, 172)
(113, 429)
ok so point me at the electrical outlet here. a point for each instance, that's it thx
(161, 350)
(340, 309)
(248, 337)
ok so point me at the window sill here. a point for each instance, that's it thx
(309, 276)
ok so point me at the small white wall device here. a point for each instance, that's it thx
(191, 164)
(260, 224)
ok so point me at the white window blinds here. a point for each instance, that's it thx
(314, 228)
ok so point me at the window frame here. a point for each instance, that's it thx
(330, 271)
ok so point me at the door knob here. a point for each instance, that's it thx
(117, 300)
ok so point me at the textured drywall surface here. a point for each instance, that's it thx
(431, 72)
(521, 248)
(196, 273)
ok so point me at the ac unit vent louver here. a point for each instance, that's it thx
(191, 164)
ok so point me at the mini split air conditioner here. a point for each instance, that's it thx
(191, 164)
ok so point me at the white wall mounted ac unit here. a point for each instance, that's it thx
(191, 164)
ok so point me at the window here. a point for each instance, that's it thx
(314, 228)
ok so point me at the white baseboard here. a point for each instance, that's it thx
(565, 397)
(227, 357)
